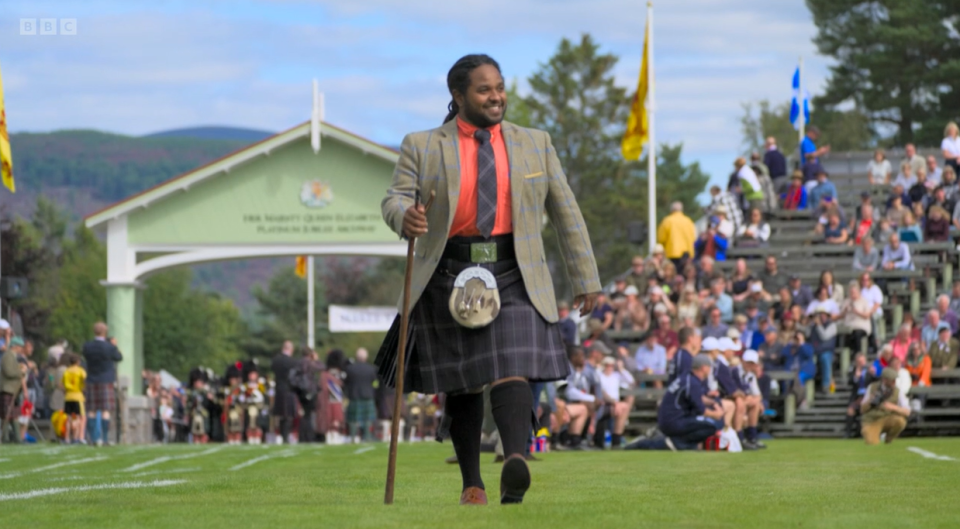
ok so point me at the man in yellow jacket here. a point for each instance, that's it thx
(677, 235)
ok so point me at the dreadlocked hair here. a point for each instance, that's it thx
(458, 78)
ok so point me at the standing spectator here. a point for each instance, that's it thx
(330, 417)
(823, 189)
(887, 413)
(102, 357)
(711, 243)
(795, 196)
(724, 199)
(756, 233)
(775, 161)
(856, 313)
(73, 382)
(823, 338)
(284, 399)
(677, 234)
(872, 293)
(55, 375)
(915, 161)
(11, 385)
(750, 189)
(934, 172)
(896, 255)
(809, 153)
(943, 352)
(951, 146)
(879, 169)
(769, 204)
(309, 372)
(360, 377)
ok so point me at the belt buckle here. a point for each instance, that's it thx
(483, 252)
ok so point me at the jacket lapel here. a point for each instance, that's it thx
(450, 154)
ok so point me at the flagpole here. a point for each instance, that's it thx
(651, 144)
(311, 311)
(802, 103)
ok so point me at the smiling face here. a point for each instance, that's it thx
(485, 102)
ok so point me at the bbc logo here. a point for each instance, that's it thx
(48, 26)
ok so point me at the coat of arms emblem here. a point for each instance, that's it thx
(316, 194)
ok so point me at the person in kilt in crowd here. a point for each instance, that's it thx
(100, 395)
(494, 182)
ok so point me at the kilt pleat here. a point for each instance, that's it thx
(444, 356)
(100, 397)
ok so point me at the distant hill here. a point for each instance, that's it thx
(214, 133)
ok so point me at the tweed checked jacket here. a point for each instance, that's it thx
(430, 161)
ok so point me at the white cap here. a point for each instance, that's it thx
(631, 291)
(710, 344)
(4, 324)
(656, 290)
(756, 287)
(733, 334)
(751, 356)
(726, 344)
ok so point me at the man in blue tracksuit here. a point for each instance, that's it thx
(686, 417)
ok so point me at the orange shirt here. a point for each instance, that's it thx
(465, 217)
(920, 372)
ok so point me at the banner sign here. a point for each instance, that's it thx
(361, 319)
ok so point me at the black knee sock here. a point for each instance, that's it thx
(512, 405)
(615, 439)
(466, 421)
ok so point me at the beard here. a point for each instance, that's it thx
(478, 117)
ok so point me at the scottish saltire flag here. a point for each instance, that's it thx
(795, 103)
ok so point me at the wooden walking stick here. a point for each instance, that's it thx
(401, 353)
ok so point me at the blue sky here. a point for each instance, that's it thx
(137, 67)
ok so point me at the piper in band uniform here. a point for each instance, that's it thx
(494, 182)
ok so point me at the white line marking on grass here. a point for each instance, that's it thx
(69, 463)
(10, 475)
(254, 461)
(929, 455)
(3, 460)
(363, 450)
(171, 471)
(68, 478)
(128, 485)
(164, 459)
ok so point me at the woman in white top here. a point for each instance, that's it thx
(834, 290)
(879, 169)
(906, 178)
(823, 301)
(756, 232)
(951, 146)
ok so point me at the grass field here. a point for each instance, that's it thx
(809, 483)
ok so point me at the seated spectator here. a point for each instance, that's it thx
(934, 173)
(828, 207)
(901, 343)
(603, 311)
(771, 277)
(725, 199)
(706, 274)
(883, 409)
(896, 211)
(658, 303)
(782, 306)
(898, 191)
(651, 357)
(864, 227)
(937, 227)
(906, 179)
(802, 294)
(657, 263)
(879, 169)
(919, 189)
(770, 351)
(886, 230)
(795, 197)
(918, 365)
(718, 298)
(726, 226)
(614, 378)
(834, 290)
(633, 315)
(896, 255)
(904, 382)
(568, 327)
(823, 189)
(823, 338)
(856, 313)
(671, 282)
(931, 329)
(866, 257)
(947, 315)
(914, 326)
(637, 276)
(823, 302)
(943, 352)
(956, 216)
(834, 232)
(938, 197)
(714, 327)
(865, 200)
(666, 336)
(740, 280)
(756, 233)
(910, 230)
(758, 298)
(711, 242)
(579, 397)
(688, 310)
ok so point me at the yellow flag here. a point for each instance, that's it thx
(638, 125)
(301, 269)
(6, 160)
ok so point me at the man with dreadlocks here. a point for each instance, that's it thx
(483, 309)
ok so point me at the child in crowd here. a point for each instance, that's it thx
(74, 382)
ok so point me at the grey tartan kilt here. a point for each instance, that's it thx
(100, 397)
(443, 356)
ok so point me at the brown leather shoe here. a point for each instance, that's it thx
(473, 496)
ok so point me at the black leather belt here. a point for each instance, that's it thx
(480, 250)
